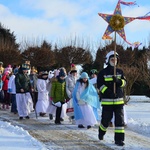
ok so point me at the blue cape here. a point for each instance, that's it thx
(90, 96)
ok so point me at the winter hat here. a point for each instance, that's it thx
(33, 69)
(44, 73)
(25, 66)
(9, 68)
(62, 72)
(73, 68)
(93, 71)
(84, 75)
(27, 62)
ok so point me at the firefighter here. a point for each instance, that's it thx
(112, 100)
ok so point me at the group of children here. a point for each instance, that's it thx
(57, 91)
(51, 92)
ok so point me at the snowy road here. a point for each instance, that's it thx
(69, 137)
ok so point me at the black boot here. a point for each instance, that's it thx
(51, 116)
(88, 127)
(80, 126)
(119, 143)
(21, 118)
(57, 122)
(100, 135)
(27, 117)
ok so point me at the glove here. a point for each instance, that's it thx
(110, 94)
(117, 81)
(51, 98)
(58, 104)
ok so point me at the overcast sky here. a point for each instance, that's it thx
(55, 20)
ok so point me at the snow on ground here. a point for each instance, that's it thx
(138, 113)
(15, 138)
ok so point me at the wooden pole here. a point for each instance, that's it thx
(114, 62)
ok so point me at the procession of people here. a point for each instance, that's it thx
(87, 99)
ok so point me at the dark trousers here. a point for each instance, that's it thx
(14, 105)
(107, 114)
(58, 113)
(1, 96)
(6, 97)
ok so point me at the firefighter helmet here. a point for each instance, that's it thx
(111, 54)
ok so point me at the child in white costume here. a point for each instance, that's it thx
(70, 84)
(43, 97)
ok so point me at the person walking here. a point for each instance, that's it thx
(5, 79)
(1, 91)
(70, 84)
(111, 90)
(58, 94)
(33, 80)
(23, 88)
(86, 102)
(93, 77)
(12, 91)
(42, 104)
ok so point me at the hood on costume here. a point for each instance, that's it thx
(84, 75)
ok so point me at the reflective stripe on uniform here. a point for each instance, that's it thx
(103, 88)
(103, 128)
(117, 101)
(112, 100)
(109, 79)
(123, 83)
(119, 130)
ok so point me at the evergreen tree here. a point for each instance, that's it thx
(9, 49)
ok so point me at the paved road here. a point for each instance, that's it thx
(69, 137)
(57, 137)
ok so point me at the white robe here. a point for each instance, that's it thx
(24, 104)
(43, 96)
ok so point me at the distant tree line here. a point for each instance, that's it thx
(49, 57)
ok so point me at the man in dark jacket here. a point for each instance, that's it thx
(110, 82)
(23, 87)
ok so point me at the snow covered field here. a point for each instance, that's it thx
(138, 113)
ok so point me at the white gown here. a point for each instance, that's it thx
(87, 111)
(43, 96)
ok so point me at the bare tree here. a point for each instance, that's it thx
(68, 55)
(39, 56)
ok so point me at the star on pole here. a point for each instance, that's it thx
(109, 29)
